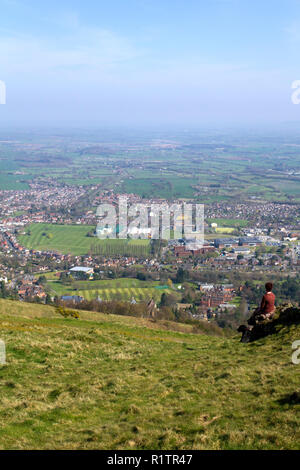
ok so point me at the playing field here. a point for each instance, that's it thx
(123, 294)
(123, 289)
(73, 239)
(229, 222)
(224, 229)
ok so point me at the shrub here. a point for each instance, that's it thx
(67, 312)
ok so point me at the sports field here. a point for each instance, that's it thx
(73, 239)
(123, 289)
(229, 222)
(224, 229)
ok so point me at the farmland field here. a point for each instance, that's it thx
(206, 166)
(164, 186)
(73, 239)
(11, 182)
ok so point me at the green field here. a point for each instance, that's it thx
(165, 187)
(233, 223)
(123, 294)
(203, 166)
(123, 289)
(12, 182)
(224, 230)
(137, 248)
(108, 382)
(73, 239)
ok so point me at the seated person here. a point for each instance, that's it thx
(267, 306)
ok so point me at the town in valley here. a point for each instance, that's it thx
(51, 186)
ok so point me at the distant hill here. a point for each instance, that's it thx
(111, 382)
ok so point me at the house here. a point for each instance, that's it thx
(77, 271)
(226, 242)
(181, 306)
(205, 287)
(227, 287)
(75, 299)
(185, 251)
(181, 252)
(227, 306)
(250, 241)
(242, 250)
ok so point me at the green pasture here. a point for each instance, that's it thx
(73, 239)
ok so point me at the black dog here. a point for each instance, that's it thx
(246, 336)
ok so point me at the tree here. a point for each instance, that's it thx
(180, 276)
(165, 313)
(48, 299)
(167, 300)
(3, 291)
(141, 276)
(42, 280)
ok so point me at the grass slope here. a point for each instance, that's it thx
(108, 382)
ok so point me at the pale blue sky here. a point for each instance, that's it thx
(183, 62)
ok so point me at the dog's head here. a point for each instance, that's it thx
(242, 329)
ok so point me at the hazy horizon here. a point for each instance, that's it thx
(149, 63)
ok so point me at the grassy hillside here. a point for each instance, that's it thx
(108, 382)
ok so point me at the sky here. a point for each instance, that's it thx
(149, 62)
